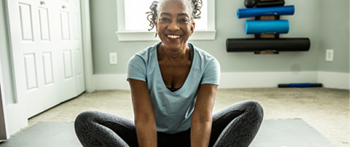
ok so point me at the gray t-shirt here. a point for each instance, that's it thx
(173, 110)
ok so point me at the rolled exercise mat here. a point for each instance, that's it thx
(269, 3)
(294, 85)
(266, 11)
(257, 45)
(266, 26)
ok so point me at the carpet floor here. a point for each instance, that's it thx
(326, 110)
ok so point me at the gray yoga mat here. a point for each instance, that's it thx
(273, 133)
(289, 133)
(45, 134)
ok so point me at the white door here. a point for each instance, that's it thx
(70, 43)
(65, 43)
(77, 45)
(43, 54)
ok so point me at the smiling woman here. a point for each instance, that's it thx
(173, 85)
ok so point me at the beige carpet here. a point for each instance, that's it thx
(327, 110)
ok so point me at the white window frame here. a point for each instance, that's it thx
(124, 35)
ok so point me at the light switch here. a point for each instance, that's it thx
(113, 58)
(329, 54)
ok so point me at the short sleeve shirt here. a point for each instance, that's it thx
(173, 110)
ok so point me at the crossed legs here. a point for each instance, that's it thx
(234, 126)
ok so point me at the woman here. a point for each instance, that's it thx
(173, 86)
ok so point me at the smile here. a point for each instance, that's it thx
(173, 36)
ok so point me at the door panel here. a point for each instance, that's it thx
(75, 26)
(65, 25)
(78, 61)
(25, 12)
(44, 24)
(68, 64)
(47, 60)
(30, 70)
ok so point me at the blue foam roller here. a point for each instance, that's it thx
(266, 26)
(265, 11)
(300, 85)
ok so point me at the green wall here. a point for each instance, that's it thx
(307, 22)
(104, 39)
(334, 34)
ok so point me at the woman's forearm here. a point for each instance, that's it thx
(200, 133)
(145, 122)
(202, 119)
(146, 134)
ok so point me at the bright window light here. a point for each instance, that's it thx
(136, 17)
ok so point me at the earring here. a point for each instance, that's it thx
(156, 34)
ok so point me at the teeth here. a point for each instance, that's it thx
(173, 36)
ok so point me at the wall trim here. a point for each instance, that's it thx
(86, 36)
(4, 135)
(336, 80)
(264, 79)
(246, 79)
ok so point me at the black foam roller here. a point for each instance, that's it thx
(250, 3)
(270, 3)
(283, 85)
(258, 45)
(316, 84)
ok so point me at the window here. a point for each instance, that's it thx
(133, 24)
(135, 17)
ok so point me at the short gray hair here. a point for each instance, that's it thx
(193, 5)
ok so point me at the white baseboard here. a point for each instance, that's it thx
(245, 79)
(264, 79)
(334, 80)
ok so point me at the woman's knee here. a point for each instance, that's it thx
(255, 108)
(85, 117)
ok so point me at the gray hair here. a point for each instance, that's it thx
(193, 5)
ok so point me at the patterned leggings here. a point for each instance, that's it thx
(235, 126)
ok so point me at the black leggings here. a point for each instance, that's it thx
(235, 126)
